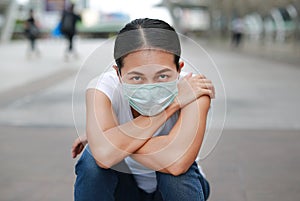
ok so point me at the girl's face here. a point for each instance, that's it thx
(149, 66)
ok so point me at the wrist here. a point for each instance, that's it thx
(172, 108)
(178, 103)
(83, 139)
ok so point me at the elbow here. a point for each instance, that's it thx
(103, 160)
(104, 163)
(177, 170)
(101, 154)
(103, 166)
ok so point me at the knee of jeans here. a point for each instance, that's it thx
(168, 181)
(93, 182)
(182, 187)
(187, 183)
(205, 187)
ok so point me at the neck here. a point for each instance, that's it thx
(135, 114)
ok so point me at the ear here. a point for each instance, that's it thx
(181, 65)
(117, 71)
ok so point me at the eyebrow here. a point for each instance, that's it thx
(163, 70)
(138, 73)
(135, 73)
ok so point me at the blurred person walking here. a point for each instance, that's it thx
(237, 31)
(32, 32)
(68, 29)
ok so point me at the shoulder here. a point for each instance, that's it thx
(108, 78)
(107, 82)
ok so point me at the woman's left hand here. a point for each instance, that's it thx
(78, 145)
(192, 87)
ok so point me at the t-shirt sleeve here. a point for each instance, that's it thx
(106, 83)
(184, 73)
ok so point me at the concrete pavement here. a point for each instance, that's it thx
(17, 68)
(36, 164)
(256, 158)
(246, 165)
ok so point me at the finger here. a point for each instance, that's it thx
(73, 153)
(75, 146)
(76, 141)
(212, 94)
(205, 86)
(77, 151)
(200, 76)
(212, 87)
(214, 90)
(80, 148)
(208, 92)
(201, 80)
(207, 81)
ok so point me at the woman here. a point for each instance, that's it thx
(144, 118)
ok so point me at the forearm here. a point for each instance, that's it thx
(175, 152)
(109, 146)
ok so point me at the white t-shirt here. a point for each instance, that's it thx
(109, 84)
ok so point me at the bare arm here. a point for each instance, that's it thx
(109, 142)
(174, 153)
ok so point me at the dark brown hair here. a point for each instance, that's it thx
(146, 34)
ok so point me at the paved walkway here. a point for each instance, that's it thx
(246, 165)
(17, 68)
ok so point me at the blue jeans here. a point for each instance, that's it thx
(94, 183)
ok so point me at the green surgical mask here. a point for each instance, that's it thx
(150, 99)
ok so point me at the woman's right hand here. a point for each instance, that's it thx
(78, 145)
(191, 88)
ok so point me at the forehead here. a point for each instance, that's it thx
(148, 57)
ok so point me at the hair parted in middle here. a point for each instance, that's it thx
(146, 33)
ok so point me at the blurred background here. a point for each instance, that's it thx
(249, 48)
(273, 21)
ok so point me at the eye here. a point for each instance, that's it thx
(163, 76)
(136, 78)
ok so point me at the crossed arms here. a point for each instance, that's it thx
(173, 153)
